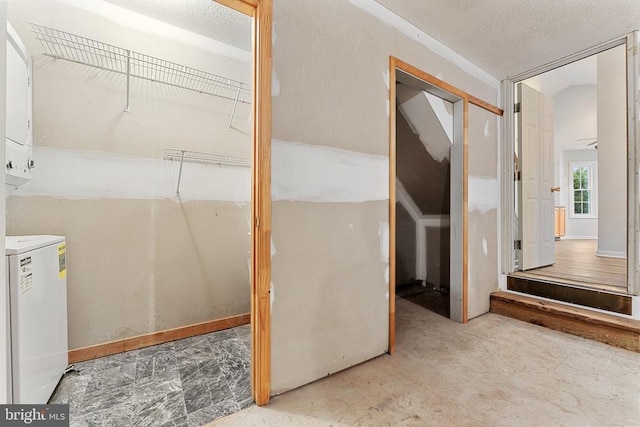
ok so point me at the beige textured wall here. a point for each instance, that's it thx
(329, 300)
(139, 266)
(138, 263)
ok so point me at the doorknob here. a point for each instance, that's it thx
(555, 189)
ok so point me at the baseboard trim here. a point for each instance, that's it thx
(154, 338)
(579, 238)
(611, 254)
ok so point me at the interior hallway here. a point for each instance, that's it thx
(494, 371)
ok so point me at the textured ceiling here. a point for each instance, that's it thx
(509, 37)
(204, 17)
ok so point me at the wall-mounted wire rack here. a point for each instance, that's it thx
(202, 157)
(82, 50)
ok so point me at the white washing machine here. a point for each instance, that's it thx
(37, 278)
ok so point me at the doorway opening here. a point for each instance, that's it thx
(424, 141)
(143, 202)
(440, 212)
(572, 210)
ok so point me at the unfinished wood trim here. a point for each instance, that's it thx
(154, 338)
(392, 205)
(248, 7)
(262, 13)
(482, 104)
(606, 328)
(261, 204)
(465, 211)
(426, 77)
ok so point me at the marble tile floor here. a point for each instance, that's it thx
(188, 382)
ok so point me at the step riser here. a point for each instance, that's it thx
(602, 300)
(554, 316)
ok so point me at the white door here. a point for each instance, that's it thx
(535, 148)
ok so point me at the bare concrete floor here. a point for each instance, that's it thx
(494, 371)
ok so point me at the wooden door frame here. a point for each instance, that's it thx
(262, 13)
(466, 99)
(633, 154)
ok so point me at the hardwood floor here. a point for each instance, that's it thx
(577, 263)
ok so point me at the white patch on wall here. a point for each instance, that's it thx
(483, 193)
(272, 295)
(314, 173)
(444, 112)
(412, 32)
(486, 129)
(273, 248)
(383, 233)
(386, 294)
(300, 172)
(350, 226)
(72, 174)
(275, 84)
(385, 78)
(485, 249)
(387, 106)
(274, 36)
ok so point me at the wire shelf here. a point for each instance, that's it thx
(202, 157)
(82, 50)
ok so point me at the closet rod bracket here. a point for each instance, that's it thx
(127, 107)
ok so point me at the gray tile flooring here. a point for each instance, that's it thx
(188, 382)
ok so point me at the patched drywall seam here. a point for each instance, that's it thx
(483, 193)
(313, 173)
(383, 233)
(300, 172)
(275, 84)
(414, 33)
(272, 295)
(385, 78)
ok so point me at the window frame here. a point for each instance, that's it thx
(592, 169)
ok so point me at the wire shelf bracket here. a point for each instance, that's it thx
(181, 155)
(82, 50)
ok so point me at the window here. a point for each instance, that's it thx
(583, 189)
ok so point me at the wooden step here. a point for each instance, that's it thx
(562, 291)
(606, 328)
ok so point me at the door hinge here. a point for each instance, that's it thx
(516, 108)
(257, 222)
(28, 81)
(517, 244)
(517, 176)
